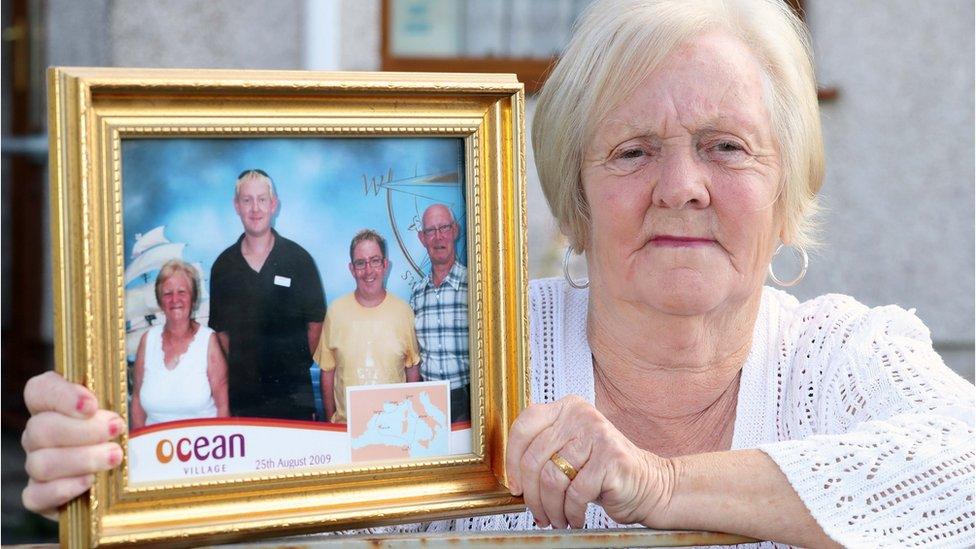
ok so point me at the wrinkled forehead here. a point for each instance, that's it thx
(715, 66)
(712, 81)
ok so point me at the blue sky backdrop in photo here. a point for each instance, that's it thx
(188, 186)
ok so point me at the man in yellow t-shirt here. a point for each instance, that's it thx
(368, 335)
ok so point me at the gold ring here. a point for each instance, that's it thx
(563, 465)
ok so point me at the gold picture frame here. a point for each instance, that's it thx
(95, 111)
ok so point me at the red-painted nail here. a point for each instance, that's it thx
(115, 457)
(114, 427)
(80, 405)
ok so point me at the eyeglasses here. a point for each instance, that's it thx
(374, 262)
(443, 229)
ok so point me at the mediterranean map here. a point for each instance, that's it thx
(402, 421)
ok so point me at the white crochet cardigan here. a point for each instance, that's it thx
(870, 427)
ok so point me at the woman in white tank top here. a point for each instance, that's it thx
(180, 370)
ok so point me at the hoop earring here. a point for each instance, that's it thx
(804, 263)
(581, 285)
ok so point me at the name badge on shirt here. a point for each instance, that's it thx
(282, 281)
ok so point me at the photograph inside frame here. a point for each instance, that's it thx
(293, 304)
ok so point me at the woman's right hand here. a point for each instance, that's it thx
(632, 485)
(67, 440)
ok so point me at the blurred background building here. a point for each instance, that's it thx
(898, 223)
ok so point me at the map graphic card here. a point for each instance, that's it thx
(399, 421)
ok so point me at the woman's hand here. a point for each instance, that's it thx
(632, 485)
(67, 441)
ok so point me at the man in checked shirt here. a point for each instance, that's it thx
(440, 307)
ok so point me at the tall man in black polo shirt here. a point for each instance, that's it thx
(267, 306)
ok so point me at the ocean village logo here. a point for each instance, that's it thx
(198, 453)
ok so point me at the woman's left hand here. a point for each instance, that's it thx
(631, 484)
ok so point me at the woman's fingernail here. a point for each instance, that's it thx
(115, 427)
(87, 481)
(82, 403)
(114, 456)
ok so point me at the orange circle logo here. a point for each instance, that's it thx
(164, 451)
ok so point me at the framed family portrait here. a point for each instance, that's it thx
(305, 292)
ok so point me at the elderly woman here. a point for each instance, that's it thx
(679, 144)
(180, 371)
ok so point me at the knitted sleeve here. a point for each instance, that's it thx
(877, 433)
